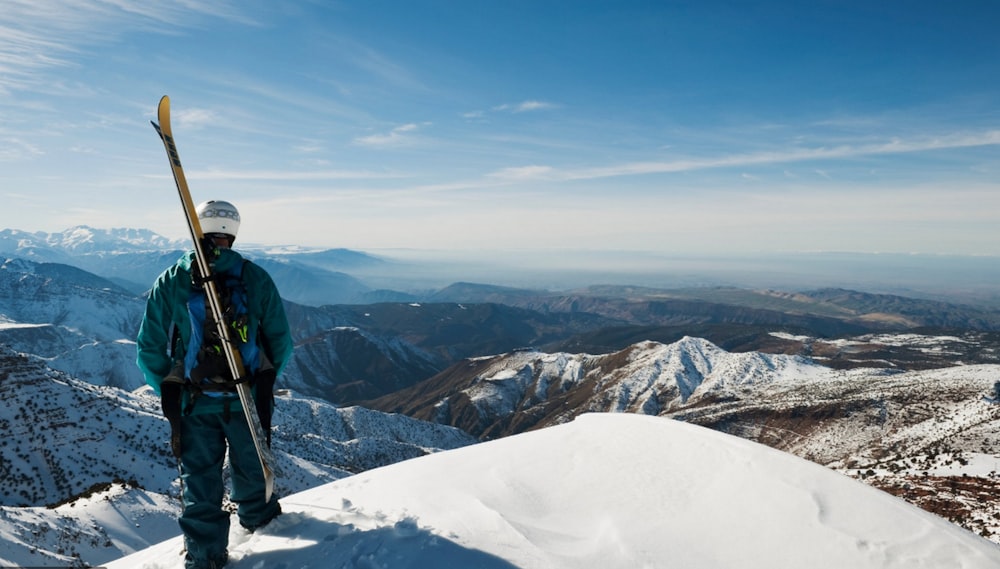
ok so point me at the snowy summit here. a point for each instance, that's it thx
(605, 491)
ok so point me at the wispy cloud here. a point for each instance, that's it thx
(523, 173)
(381, 66)
(44, 34)
(893, 146)
(288, 175)
(512, 108)
(195, 118)
(310, 147)
(15, 148)
(399, 135)
(525, 106)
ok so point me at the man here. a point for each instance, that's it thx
(180, 354)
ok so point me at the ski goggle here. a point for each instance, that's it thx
(227, 213)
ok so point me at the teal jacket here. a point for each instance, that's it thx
(167, 308)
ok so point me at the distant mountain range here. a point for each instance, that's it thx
(881, 387)
(134, 258)
(84, 324)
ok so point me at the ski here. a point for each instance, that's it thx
(233, 357)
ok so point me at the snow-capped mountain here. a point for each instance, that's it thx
(500, 395)
(93, 435)
(86, 326)
(78, 322)
(133, 258)
(606, 491)
(81, 240)
(897, 430)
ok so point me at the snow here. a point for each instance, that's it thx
(605, 491)
(10, 325)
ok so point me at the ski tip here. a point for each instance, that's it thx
(163, 107)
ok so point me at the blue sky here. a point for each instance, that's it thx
(705, 127)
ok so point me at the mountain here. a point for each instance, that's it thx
(454, 331)
(81, 323)
(310, 285)
(826, 311)
(505, 394)
(605, 491)
(335, 259)
(348, 364)
(85, 325)
(133, 258)
(897, 430)
(104, 442)
(79, 241)
(917, 348)
(351, 353)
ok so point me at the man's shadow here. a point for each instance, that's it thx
(297, 539)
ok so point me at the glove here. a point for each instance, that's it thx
(170, 402)
(264, 398)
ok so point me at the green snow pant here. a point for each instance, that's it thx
(204, 523)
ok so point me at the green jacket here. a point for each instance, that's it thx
(167, 308)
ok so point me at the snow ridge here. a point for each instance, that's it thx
(607, 491)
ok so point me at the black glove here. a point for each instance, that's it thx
(264, 400)
(170, 402)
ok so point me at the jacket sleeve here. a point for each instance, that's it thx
(273, 322)
(153, 341)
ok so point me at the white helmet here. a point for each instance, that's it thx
(217, 216)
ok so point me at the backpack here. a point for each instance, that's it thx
(205, 361)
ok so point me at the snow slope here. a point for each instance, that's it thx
(605, 491)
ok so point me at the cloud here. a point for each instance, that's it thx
(893, 146)
(396, 137)
(524, 107)
(194, 118)
(15, 148)
(310, 147)
(380, 66)
(523, 173)
(289, 175)
(44, 34)
(512, 108)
